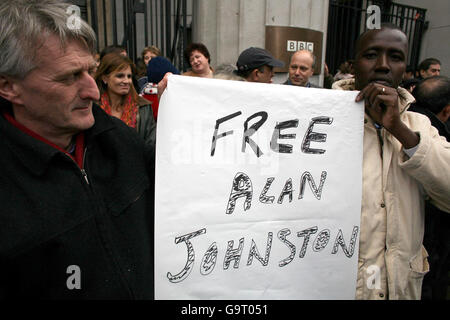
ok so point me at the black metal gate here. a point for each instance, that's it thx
(347, 20)
(136, 24)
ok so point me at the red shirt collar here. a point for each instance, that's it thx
(79, 142)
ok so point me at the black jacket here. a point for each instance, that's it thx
(435, 122)
(51, 218)
(308, 85)
(146, 123)
(437, 236)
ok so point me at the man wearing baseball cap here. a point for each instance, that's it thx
(256, 65)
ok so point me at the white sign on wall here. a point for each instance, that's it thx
(293, 45)
(258, 191)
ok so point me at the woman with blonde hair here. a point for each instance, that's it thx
(150, 52)
(119, 98)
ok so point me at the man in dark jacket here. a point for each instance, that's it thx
(76, 185)
(433, 100)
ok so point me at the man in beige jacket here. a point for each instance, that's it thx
(404, 161)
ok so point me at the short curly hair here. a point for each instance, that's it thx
(200, 47)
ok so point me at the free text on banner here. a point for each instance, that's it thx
(258, 191)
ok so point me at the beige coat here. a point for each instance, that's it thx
(392, 213)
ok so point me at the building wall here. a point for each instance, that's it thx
(435, 42)
(227, 27)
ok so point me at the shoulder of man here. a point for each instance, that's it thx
(435, 122)
(116, 133)
(104, 122)
(312, 85)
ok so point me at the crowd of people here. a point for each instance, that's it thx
(78, 157)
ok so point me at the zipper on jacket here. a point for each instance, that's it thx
(380, 139)
(83, 172)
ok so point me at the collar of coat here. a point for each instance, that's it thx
(289, 82)
(405, 98)
(37, 155)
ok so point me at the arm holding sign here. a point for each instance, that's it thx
(394, 177)
(163, 84)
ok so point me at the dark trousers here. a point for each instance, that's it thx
(437, 243)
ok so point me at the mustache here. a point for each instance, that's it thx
(88, 104)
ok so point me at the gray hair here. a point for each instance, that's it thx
(26, 24)
(227, 71)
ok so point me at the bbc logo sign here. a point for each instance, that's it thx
(293, 46)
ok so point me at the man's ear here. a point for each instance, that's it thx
(444, 115)
(422, 73)
(9, 90)
(255, 75)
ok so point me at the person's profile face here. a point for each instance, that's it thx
(381, 58)
(266, 75)
(56, 96)
(148, 56)
(433, 70)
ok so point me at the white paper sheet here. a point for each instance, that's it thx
(235, 225)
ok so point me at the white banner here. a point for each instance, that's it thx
(258, 191)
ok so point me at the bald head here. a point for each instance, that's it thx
(434, 94)
(301, 67)
(306, 54)
(368, 32)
